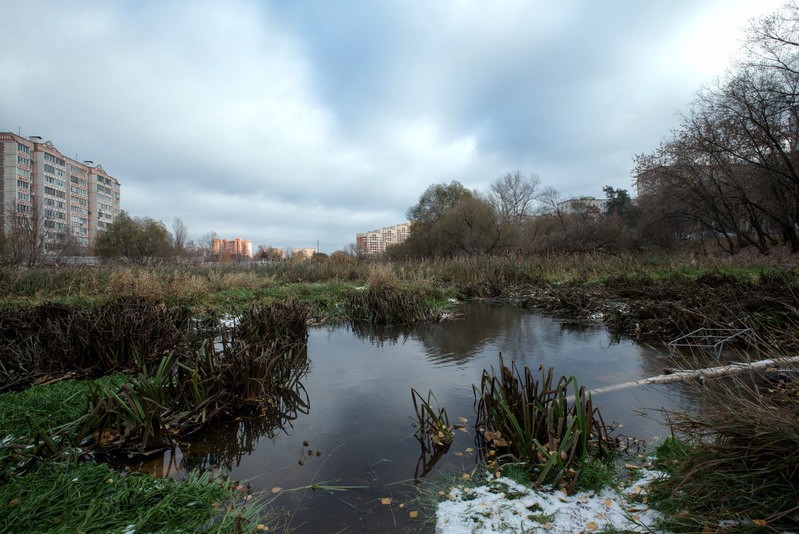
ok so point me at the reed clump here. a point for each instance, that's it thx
(384, 302)
(735, 461)
(550, 425)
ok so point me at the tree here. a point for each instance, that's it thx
(450, 220)
(513, 195)
(731, 169)
(180, 232)
(136, 240)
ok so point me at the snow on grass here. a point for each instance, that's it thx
(502, 505)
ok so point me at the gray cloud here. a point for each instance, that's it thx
(288, 123)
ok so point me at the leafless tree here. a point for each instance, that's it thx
(179, 232)
(513, 195)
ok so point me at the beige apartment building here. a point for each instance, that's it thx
(69, 201)
(376, 241)
(233, 247)
(301, 254)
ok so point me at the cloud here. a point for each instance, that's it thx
(285, 123)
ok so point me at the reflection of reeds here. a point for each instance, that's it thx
(256, 368)
(737, 458)
(534, 420)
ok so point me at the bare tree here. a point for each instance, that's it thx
(513, 195)
(179, 232)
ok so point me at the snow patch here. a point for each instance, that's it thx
(502, 505)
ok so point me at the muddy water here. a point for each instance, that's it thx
(357, 436)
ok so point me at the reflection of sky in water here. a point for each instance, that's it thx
(360, 404)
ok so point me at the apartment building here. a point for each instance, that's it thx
(233, 247)
(376, 241)
(70, 202)
(304, 253)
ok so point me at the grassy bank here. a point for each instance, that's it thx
(169, 367)
(45, 486)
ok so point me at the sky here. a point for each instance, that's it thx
(301, 123)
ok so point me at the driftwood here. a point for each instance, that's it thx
(701, 374)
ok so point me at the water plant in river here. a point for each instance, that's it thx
(432, 419)
(552, 426)
(736, 461)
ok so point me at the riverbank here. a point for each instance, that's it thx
(631, 296)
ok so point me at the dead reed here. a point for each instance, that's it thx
(736, 460)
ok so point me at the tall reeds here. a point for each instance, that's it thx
(550, 425)
(736, 460)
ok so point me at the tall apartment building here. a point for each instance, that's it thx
(68, 201)
(233, 247)
(376, 241)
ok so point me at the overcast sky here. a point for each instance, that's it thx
(291, 122)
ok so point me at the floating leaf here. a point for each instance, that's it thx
(469, 450)
(277, 489)
(463, 420)
(458, 453)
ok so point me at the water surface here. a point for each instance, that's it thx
(359, 428)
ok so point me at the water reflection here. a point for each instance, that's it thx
(357, 410)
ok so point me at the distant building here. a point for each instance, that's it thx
(583, 205)
(301, 254)
(72, 202)
(233, 247)
(377, 241)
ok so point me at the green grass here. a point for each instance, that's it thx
(54, 411)
(95, 498)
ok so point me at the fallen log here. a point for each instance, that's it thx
(701, 374)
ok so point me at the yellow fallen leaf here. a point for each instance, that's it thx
(441, 493)
(600, 516)
(414, 514)
(262, 527)
(14, 501)
(469, 450)
(402, 505)
(608, 503)
(385, 500)
(759, 522)
(583, 499)
(466, 476)
(498, 474)
(548, 525)
(277, 489)
(591, 525)
(631, 466)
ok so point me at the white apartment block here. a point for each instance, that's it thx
(70, 201)
(376, 241)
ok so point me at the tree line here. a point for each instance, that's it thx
(517, 214)
(729, 172)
